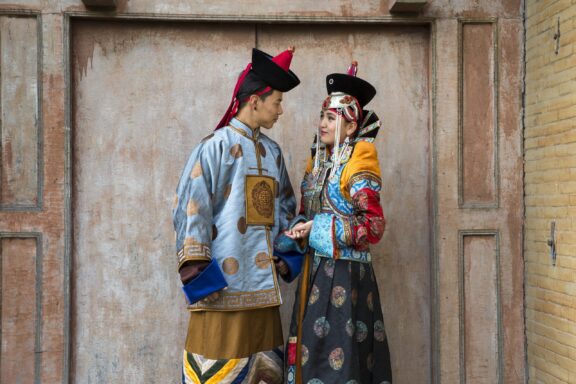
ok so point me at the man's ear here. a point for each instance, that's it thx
(253, 100)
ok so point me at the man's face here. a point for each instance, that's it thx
(269, 110)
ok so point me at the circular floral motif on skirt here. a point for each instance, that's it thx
(305, 354)
(379, 332)
(321, 327)
(354, 296)
(329, 268)
(315, 381)
(370, 362)
(338, 296)
(336, 359)
(361, 331)
(314, 295)
(350, 328)
(370, 301)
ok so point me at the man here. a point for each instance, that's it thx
(233, 199)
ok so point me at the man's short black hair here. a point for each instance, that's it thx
(252, 85)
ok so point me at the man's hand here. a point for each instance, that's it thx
(212, 297)
(192, 269)
(281, 266)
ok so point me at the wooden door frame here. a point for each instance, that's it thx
(389, 20)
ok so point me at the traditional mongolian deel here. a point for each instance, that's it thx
(337, 333)
(233, 199)
(233, 186)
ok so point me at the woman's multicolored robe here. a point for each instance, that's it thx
(337, 332)
(350, 216)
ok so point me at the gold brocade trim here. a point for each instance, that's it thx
(362, 176)
(186, 259)
(245, 134)
(330, 206)
(348, 233)
(233, 301)
(274, 272)
(193, 250)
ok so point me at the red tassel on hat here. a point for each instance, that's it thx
(353, 68)
(234, 103)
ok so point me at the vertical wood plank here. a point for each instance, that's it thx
(480, 309)
(19, 311)
(478, 116)
(19, 187)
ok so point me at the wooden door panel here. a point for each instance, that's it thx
(144, 95)
(130, 145)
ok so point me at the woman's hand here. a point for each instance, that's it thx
(300, 230)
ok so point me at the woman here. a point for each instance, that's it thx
(337, 333)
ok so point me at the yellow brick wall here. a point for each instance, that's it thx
(550, 187)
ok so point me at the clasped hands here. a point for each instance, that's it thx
(300, 231)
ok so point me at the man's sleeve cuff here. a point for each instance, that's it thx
(294, 262)
(210, 280)
(193, 252)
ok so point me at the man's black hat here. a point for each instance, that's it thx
(275, 71)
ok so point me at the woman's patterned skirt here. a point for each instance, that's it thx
(343, 339)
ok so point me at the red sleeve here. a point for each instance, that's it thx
(368, 222)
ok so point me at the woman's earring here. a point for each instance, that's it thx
(347, 140)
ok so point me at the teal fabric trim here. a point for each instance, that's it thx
(322, 234)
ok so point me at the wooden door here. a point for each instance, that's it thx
(143, 96)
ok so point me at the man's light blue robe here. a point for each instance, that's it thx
(233, 199)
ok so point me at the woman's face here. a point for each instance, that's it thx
(327, 127)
